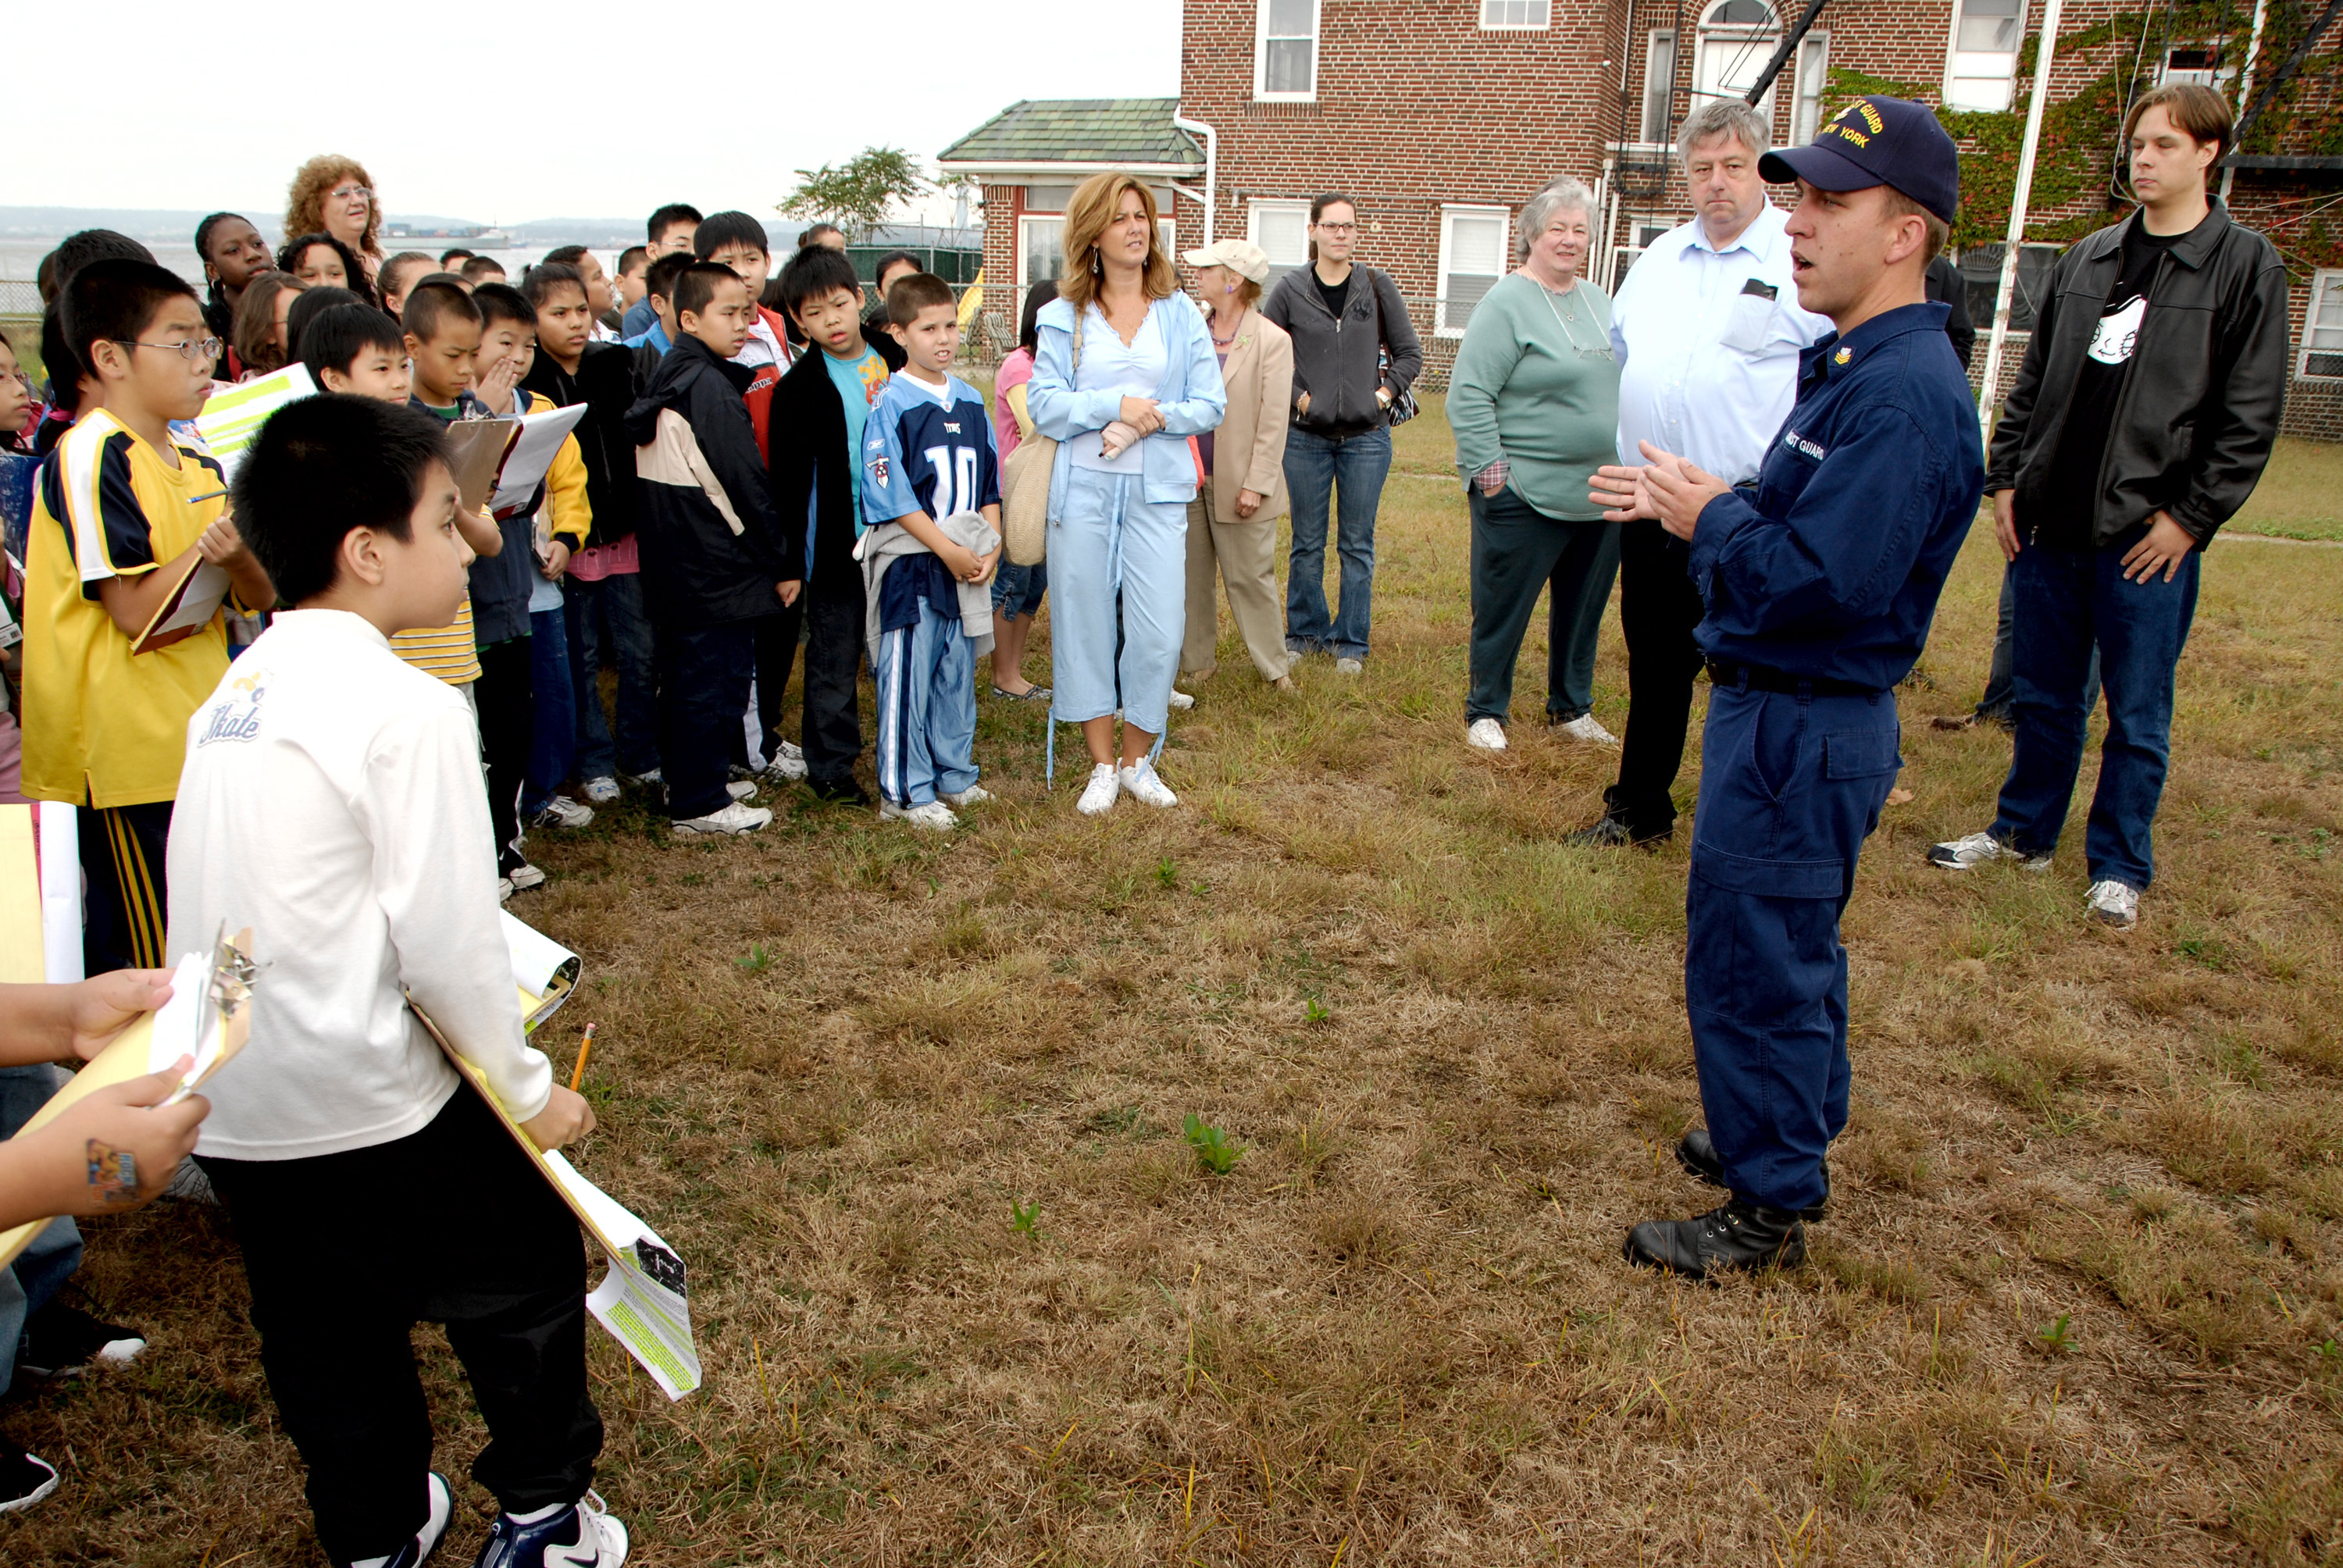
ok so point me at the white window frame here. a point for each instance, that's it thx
(2326, 283)
(2217, 76)
(1255, 211)
(1542, 9)
(1756, 45)
(1260, 54)
(1812, 78)
(1025, 278)
(1659, 44)
(1449, 213)
(1955, 55)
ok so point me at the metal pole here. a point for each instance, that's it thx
(1782, 55)
(2244, 85)
(1987, 394)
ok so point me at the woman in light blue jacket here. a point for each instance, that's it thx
(1124, 374)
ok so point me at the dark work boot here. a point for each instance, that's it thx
(1697, 1155)
(1739, 1237)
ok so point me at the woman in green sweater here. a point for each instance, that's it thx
(1534, 402)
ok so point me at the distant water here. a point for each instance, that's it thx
(21, 258)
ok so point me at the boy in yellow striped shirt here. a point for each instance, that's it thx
(122, 512)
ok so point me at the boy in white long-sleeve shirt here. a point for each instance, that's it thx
(332, 801)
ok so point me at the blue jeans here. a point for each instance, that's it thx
(1994, 703)
(608, 627)
(1017, 590)
(1315, 466)
(52, 1256)
(553, 726)
(2067, 601)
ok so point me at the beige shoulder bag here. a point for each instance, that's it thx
(1025, 486)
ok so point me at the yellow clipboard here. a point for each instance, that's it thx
(208, 1017)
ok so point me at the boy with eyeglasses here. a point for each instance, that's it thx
(121, 513)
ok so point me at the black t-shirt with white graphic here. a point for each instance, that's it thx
(2091, 411)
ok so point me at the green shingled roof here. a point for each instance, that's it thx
(1080, 131)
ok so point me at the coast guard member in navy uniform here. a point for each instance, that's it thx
(1819, 580)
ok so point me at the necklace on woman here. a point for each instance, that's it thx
(1602, 350)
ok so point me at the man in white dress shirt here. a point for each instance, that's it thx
(1707, 331)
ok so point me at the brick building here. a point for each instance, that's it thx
(1441, 117)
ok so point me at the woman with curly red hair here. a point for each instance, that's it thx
(335, 196)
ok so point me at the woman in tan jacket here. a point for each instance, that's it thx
(1232, 521)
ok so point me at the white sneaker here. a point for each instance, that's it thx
(601, 789)
(561, 811)
(974, 794)
(1587, 727)
(524, 876)
(643, 781)
(504, 889)
(741, 790)
(1180, 700)
(932, 814)
(1485, 734)
(788, 762)
(1099, 794)
(736, 817)
(2115, 903)
(1350, 667)
(1976, 849)
(1141, 784)
(583, 1535)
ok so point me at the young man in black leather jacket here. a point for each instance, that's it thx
(2141, 419)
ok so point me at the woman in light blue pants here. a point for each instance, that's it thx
(1123, 375)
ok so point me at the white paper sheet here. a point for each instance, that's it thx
(207, 591)
(60, 836)
(232, 418)
(641, 1301)
(532, 454)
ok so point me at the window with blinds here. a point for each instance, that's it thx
(1472, 259)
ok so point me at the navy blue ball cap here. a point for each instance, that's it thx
(1877, 141)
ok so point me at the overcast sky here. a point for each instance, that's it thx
(200, 109)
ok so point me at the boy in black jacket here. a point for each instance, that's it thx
(602, 594)
(714, 555)
(818, 415)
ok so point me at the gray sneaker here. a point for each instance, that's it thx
(1975, 849)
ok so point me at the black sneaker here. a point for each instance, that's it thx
(1614, 833)
(839, 791)
(65, 1342)
(23, 1479)
(1697, 1152)
(1739, 1238)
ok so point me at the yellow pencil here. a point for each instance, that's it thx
(578, 1073)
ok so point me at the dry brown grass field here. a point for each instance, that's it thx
(911, 1108)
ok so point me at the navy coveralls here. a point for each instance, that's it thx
(1819, 580)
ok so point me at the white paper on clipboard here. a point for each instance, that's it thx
(206, 589)
(532, 454)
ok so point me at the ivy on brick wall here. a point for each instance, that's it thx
(2073, 191)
